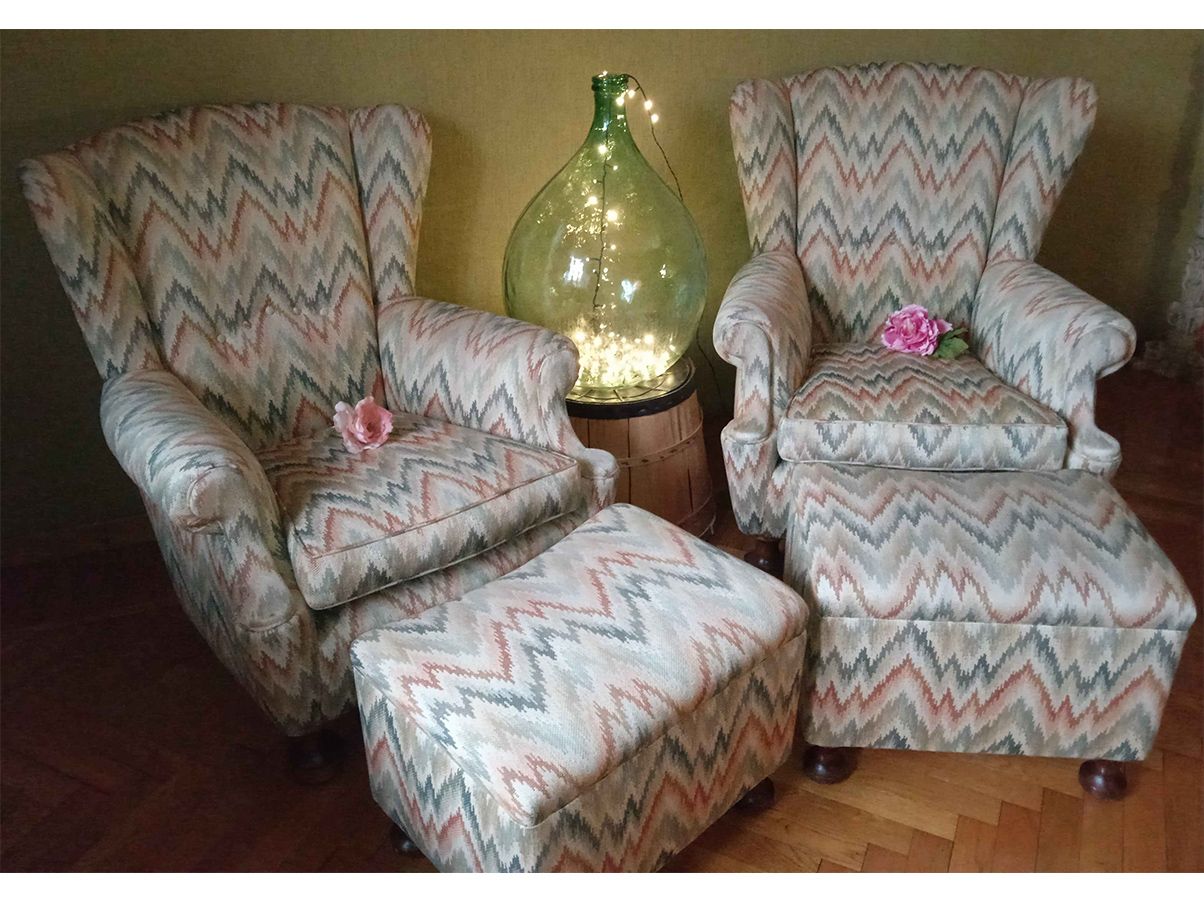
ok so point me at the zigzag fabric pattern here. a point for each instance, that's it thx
(899, 183)
(586, 628)
(538, 705)
(1051, 128)
(215, 517)
(1059, 548)
(295, 662)
(433, 494)
(635, 819)
(244, 230)
(94, 268)
(764, 328)
(1016, 689)
(763, 139)
(866, 404)
(226, 265)
(1026, 613)
(899, 170)
(433, 356)
(392, 147)
(1052, 341)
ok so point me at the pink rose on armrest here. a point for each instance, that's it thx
(365, 426)
(913, 330)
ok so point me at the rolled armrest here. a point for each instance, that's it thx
(764, 330)
(178, 452)
(1052, 341)
(488, 373)
(205, 481)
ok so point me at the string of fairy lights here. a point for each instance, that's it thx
(606, 357)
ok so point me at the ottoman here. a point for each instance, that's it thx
(595, 709)
(1020, 613)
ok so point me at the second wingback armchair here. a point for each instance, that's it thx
(871, 187)
(236, 272)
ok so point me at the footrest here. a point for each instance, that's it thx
(596, 709)
(1026, 613)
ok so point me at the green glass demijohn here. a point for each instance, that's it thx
(608, 255)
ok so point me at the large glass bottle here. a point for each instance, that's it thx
(609, 256)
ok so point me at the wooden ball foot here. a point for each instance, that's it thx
(315, 758)
(402, 843)
(758, 799)
(828, 764)
(766, 555)
(1103, 779)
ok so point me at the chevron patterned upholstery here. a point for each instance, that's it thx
(434, 494)
(595, 709)
(243, 228)
(898, 175)
(866, 404)
(893, 184)
(1025, 613)
(230, 268)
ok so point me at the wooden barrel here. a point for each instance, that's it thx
(662, 460)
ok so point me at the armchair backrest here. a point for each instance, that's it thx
(897, 183)
(243, 248)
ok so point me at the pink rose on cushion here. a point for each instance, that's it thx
(913, 330)
(365, 426)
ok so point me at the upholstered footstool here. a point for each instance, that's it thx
(1017, 613)
(595, 709)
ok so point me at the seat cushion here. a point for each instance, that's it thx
(866, 404)
(543, 682)
(434, 494)
(1058, 549)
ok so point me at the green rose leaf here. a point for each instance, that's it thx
(951, 345)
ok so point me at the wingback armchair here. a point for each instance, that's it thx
(867, 188)
(236, 272)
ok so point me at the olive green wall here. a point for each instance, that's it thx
(507, 108)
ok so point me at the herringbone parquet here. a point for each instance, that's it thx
(124, 745)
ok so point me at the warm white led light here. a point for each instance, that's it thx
(647, 105)
(591, 200)
(655, 119)
(607, 358)
(612, 215)
(576, 271)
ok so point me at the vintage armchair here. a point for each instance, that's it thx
(870, 187)
(236, 271)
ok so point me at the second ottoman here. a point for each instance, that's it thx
(1020, 613)
(595, 709)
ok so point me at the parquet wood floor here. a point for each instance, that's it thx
(124, 745)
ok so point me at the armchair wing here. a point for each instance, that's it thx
(1052, 341)
(488, 373)
(764, 330)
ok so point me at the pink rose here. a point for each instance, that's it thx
(365, 426)
(913, 330)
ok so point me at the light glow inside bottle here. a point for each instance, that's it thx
(608, 255)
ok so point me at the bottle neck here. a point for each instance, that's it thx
(610, 110)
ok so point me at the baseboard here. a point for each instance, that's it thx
(76, 540)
